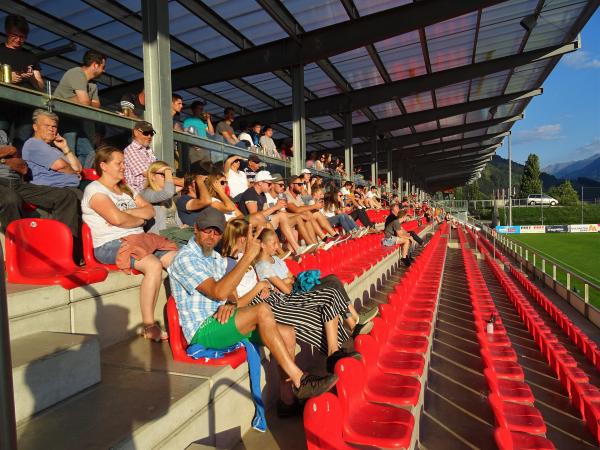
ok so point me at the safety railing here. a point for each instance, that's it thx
(581, 293)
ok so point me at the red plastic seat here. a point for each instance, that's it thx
(507, 440)
(517, 416)
(323, 423)
(40, 251)
(89, 175)
(367, 423)
(400, 363)
(509, 390)
(178, 343)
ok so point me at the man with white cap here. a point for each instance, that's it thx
(253, 200)
(207, 303)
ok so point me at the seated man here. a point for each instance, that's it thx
(63, 204)
(206, 302)
(267, 143)
(224, 127)
(48, 155)
(396, 235)
(252, 203)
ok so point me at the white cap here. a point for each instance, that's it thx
(305, 171)
(263, 175)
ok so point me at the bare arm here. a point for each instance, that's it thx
(204, 199)
(144, 210)
(104, 206)
(71, 164)
(209, 125)
(262, 288)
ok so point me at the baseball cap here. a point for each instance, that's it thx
(210, 217)
(142, 125)
(263, 175)
(255, 159)
(277, 177)
(305, 171)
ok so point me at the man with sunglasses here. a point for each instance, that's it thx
(139, 155)
(26, 73)
(253, 200)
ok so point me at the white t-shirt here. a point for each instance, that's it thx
(228, 216)
(344, 191)
(238, 182)
(370, 194)
(271, 201)
(102, 231)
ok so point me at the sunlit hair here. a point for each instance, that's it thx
(39, 112)
(234, 230)
(105, 155)
(210, 181)
(332, 202)
(266, 235)
(188, 181)
(154, 168)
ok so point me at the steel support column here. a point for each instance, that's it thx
(348, 151)
(8, 434)
(374, 159)
(390, 168)
(157, 75)
(298, 119)
(509, 181)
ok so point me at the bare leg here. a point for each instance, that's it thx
(288, 335)
(152, 268)
(286, 229)
(260, 316)
(306, 230)
(324, 223)
(331, 334)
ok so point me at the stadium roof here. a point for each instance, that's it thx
(420, 77)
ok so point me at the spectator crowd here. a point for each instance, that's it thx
(223, 233)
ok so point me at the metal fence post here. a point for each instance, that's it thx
(586, 293)
(554, 272)
(568, 281)
(8, 434)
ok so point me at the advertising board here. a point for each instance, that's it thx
(533, 229)
(557, 228)
(584, 228)
(508, 230)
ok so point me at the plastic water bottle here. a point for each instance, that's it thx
(489, 328)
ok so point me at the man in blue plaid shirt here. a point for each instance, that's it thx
(206, 301)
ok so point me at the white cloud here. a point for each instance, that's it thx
(550, 132)
(581, 60)
(589, 149)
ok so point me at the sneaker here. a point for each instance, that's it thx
(314, 385)
(340, 354)
(284, 410)
(362, 328)
(308, 248)
(329, 245)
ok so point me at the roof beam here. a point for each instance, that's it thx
(325, 42)
(468, 152)
(381, 93)
(456, 173)
(405, 120)
(409, 139)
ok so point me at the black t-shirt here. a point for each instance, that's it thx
(250, 195)
(19, 61)
(389, 219)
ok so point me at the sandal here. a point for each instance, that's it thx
(153, 332)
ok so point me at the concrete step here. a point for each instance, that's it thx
(49, 367)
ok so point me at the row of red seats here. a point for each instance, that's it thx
(584, 396)
(378, 395)
(348, 260)
(377, 215)
(577, 336)
(519, 424)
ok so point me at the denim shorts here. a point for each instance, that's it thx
(389, 242)
(107, 253)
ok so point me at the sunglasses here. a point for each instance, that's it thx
(212, 231)
(223, 182)
(280, 184)
(148, 133)
(299, 184)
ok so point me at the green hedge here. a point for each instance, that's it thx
(561, 215)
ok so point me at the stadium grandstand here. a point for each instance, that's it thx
(218, 229)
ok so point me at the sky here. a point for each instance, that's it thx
(563, 124)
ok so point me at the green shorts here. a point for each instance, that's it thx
(213, 334)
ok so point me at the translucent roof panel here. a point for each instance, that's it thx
(452, 121)
(452, 94)
(482, 114)
(273, 86)
(249, 18)
(401, 132)
(236, 96)
(388, 109)
(479, 132)
(313, 15)
(402, 56)
(366, 7)
(195, 33)
(450, 43)
(526, 77)
(359, 117)
(319, 83)
(326, 122)
(428, 126)
(418, 102)
(488, 86)
(357, 67)
(72, 12)
(554, 23)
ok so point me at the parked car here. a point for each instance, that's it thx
(541, 199)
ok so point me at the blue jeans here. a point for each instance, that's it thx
(344, 220)
(77, 133)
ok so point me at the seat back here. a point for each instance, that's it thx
(368, 348)
(380, 331)
(496, 405)
(351, 384)
(89, 174)
(177, 339)
(323, 423)
(38, 247)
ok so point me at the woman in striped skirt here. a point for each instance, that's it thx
(317, 316)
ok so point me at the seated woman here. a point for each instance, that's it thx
(116, 217)
(159, 191)
(215, 184)
(315, 315)
(334, 211)
(194, 197)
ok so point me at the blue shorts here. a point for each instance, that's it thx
(107, 253)
(389, 242)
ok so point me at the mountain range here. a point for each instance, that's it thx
(571, 170)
